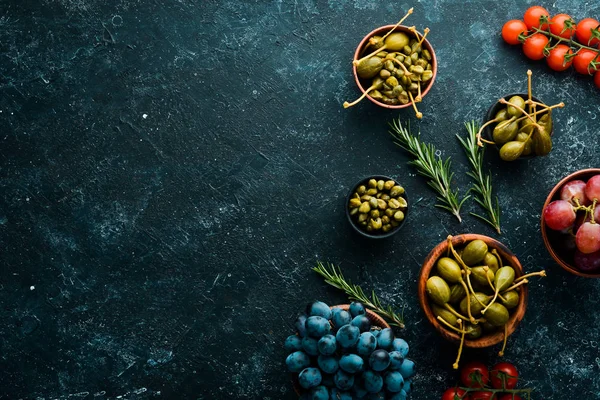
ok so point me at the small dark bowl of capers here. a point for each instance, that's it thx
(394, 66)
(377, 207)
(516, 135)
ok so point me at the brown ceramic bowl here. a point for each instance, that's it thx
(552, 239)
(381, 32)
(509, 258)
(375, 319)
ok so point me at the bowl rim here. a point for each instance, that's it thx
(399, 28)
(551, 196)
(428, 265)
(489, 115)
(356, 227)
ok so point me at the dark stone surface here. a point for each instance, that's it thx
(171, 170)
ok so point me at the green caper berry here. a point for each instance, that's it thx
(389, 184)
(373, 202)
(399, 216)
(374, 213)
(354, 203)
(384, 74)
(396, 191)
(365, 208)
(372, 192)
(426, 54)
(414, 57)
(361, 190)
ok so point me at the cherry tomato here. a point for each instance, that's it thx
(482, 396)
(584, 32)
(556, 59)
(474, 375)
(597, 79)
(534, 46)
(455, 394)
(582, 61)
(509, 396)
(504, 376)
(512, 29)
(562, 25)
(532, 17)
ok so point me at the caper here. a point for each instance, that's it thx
(373, 202)
(381, 204)
(361, 190)
(406, 50)
(400, 57)
(396, 191)
(382, 54)
(369, 228)
(389, 65)
(428, 67)
(386, 227)
(354, 203)
(388, 93)
(402, 202)
(413, 87)
(438, 290)
(422, 63)
(427, 75)
(365, 197)
(385, 219)
(364, 208)
(374, 213)
(372, 191)
(414, 57)
(397, 91)
(497, 314)
(474, 252)
(384, 74)
(417, 69)
(376, 94)
(385, 197)
(389, 184)
(376, 223)
(473, 331)
(416, 47)
(395, 224)
(372, 183)
(403, 98)
(393, 203)
(399, 216)
(449, 270)
(390, 212)
(391, 82)
(354, 211)
(390, 101)
(363, 217)
(407, 62)
(426, 54)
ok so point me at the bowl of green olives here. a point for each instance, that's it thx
(376, 207)
(517, 133)
(394, 66)
(473, 290)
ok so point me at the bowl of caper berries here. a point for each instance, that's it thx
(377, 207)
(394, 67)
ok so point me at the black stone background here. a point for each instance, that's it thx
(171, 170)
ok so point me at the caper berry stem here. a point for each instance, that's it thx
(455, 329)
(406, 71)
(462, 342)
(546, 108)
(418, 114)
(501, 352)
(468, 296)
(419, 98)
(495, 253)
(454, 312)
(540, 273)
(467, 272)
(529, 95)
(356, 62)
(425, 32)
(479, 139)
(410, 11)
(355, 102)
(503, 101)
(516, 285)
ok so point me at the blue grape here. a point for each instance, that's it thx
(309, 345)
(327, 380)
(375, 331)
(309, 378)
(297, 361)
(328, 364)
(393, 381)
(401, 346)
(336, 394)
(317, 326)
(362, 323)
(319, 393)
(351, 363)
(357, 309)
(401, 395)
(347, 336)
(407, 369)
(343, 380)
(385, 339)
(366, 344)
(293, 343)
(372, 381)
(395, 360)
(340, 317)
(379, 360)
(327, 345)
(318, 308)
(407, 387)
(300, 325)
(359, 391)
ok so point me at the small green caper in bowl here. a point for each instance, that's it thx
(376, 207)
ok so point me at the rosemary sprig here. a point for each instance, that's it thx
(430, 166)
(482, 183)
(333, 276)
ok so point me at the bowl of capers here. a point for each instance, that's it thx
(394, 67)
(377, 207)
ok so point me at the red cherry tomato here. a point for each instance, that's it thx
(597, 79)
(585, 32)
(474, 375)
(455, 394)
(509, 396)
(534, 46)
(512, 29)
(482, 396)
(562, 25)
(557, 59)
(532, 17)
(582, 61)
(504, 376)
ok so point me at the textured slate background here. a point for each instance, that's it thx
(171, 170)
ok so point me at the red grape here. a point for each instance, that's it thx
(588, 238)
(587, 262)
(592, 188)
(597, 213)
(574, 190)
(559, 215)
(581, 218)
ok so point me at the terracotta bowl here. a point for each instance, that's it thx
(381, 31)
(551, 238)
(354, 223)
(497, 106)
(508, 257)
(375, 319)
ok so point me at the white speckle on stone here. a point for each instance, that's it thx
(145, 116)
(31, 287)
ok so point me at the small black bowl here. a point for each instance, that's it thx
(357, 228)
(497, 106)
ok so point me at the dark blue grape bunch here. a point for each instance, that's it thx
(337, 354)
